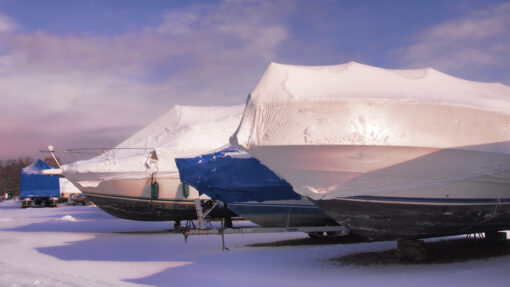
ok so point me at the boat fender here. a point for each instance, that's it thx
(185, 190)
(155, 190)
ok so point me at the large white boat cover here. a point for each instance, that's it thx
(298, 105)
(182, 131)
(347, 130)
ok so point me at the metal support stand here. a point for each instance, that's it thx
(223, 236)
(51, 150)
(177, 226)
(203, 229)
(201, 215)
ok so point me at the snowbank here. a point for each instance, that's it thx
(100, 250)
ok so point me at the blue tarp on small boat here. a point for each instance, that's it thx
(232, 175)
(34, 184)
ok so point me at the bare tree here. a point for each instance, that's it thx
(10, 171)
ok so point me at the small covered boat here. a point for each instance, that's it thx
(138, 179)
(249, 189)
(388, 153)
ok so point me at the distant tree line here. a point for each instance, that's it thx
(10, 171)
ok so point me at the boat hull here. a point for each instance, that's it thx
(131, 199)
(282, 213)
(349, 132)
(386, 219)
(331, 172)
(386, 192)
(143, 209)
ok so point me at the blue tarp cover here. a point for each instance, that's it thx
(33, 184)
(231, 175)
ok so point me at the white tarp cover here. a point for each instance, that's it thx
(67, 187)
(287, 107)
(182, 131)
(348, 130)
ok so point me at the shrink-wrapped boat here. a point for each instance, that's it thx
(138, 179)
(388, 153)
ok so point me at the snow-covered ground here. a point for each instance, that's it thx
(83, 246)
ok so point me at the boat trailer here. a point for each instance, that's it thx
(205, 228)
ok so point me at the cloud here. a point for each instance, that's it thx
(200, 32)
(76, 86)
(472, 45)
(7, 24)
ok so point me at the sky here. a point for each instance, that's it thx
(82, 74)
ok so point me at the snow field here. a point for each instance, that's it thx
(83, 246)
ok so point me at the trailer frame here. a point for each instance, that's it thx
(204, 229)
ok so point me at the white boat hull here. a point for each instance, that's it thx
(330, 172)
(352, 132)
(131, 198)
(380, 156)
(384, 192)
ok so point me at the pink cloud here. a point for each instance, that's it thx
(7, 24)
(471, 42)
(82, 85)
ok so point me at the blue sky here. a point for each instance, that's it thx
(91, 73)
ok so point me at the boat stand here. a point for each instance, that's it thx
(206, 229)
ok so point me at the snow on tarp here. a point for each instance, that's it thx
(34, 184)
(299, 105)
(182, 131)
(232, 175)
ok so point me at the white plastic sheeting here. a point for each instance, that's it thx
(67, 187)
(306, 105)
(182, 131)
(352, 129)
